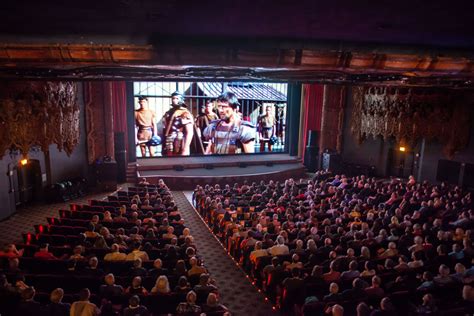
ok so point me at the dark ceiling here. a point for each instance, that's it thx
(416, 23)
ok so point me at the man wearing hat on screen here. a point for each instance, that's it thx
(178, 127)
(145, 122)
(230, 134)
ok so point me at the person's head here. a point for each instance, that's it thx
(84, 294)
(365, 252)
(134, 301)
(137, 263)
(363, 309)
(468, 293)
(191, 297)
(57, 295)
(109, 279)
(13, 263)
(93, 262)
(136, 282)
(177, 98)
(280, 240)
(337, 310)
(428, 299)
(158, 264)
(376, 281)
(209, 107)
(162, 284)
(204, 279)
(386, 304)
(443, 270)
(460, 268)
(227, 104)
(183, 281)
(193, 261)
(143, 101)
(212, 299)
(333, 288)
(353, 265)
(28, 293)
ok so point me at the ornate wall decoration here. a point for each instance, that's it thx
(38, 113)
(410, 114)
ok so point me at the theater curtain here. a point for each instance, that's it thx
(313, 105)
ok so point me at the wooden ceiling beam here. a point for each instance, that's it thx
(296, 63)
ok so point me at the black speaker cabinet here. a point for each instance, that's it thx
(332, 162)
(313, 138)
(311, 158)
(468, 178)
(107, 176)
(448, 171)
(120, 156)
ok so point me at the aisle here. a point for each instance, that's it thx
(237, 293)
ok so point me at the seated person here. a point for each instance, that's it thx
(110, 289)
(134, 308)
(212, 305)
(93, 268)
(57, 307)
(44, 253)
(84, 306)
(115, 254)
(136, 288)
(137, 269)
(334, 295)
(28, 305)
(162, 285)
(189, 307)
(137, 253)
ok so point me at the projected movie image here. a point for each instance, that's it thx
(209, 118)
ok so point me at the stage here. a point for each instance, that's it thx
(185, 173)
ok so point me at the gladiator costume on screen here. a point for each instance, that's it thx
(145, 121)
(229, 134)
(204, 119)
(178, 127)
(266, 123)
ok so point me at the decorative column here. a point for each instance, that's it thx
(99, 120)
(332, 118)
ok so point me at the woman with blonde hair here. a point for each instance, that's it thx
(162, 285)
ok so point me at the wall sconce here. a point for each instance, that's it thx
(402, 148)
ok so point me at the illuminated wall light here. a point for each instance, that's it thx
(24, 162)
(402, 148)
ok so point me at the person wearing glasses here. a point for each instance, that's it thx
(229, 134)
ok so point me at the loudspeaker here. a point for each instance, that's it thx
(208, 166)
(178, 167)
(107, 176)
(313, 138)
(332, 162)
(120, 156)
(269, 164)
(311, 158)
(448, 171)
(468, 178)
(242, 165)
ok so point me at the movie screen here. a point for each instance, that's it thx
(209, 118)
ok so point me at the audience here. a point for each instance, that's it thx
(389, 233)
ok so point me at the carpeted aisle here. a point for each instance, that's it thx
(237, 293)
(26, 217)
